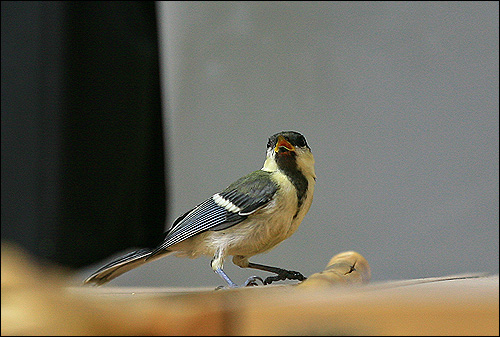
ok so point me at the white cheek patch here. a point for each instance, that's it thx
(270, 163)
(228, 205)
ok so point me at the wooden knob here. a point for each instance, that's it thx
(343, 269)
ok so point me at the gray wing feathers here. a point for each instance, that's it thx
(200, 219)
(248, 193)
(251, 192)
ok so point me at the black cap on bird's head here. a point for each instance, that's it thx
(286, 141)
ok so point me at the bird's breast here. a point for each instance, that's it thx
(269, 226)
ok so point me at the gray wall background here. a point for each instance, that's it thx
(398, 101)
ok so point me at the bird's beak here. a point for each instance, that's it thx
(283, 143)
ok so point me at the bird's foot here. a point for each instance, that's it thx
(252, 281)
(284, 274)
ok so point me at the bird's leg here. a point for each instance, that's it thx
(251, 281)
(217, 263)
(282, 274)
(226, 278)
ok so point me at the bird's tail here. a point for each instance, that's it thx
(121, 265)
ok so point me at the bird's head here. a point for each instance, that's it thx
(288, 150)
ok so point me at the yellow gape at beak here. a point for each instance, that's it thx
(282, 142)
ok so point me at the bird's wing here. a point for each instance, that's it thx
(245, 196)
(222, 210)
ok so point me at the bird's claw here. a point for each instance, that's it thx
(252, 281)
(282, 275)
(285, 275)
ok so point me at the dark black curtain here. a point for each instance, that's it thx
(82, 132)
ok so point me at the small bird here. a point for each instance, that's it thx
(249, 217)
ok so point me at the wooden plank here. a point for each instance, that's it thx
(38, 302)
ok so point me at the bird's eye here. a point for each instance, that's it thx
(301, 141)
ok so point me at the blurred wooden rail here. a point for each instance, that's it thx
(33, 304)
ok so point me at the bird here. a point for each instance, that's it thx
(249, 217)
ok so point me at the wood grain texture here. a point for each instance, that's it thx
(338, 301)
